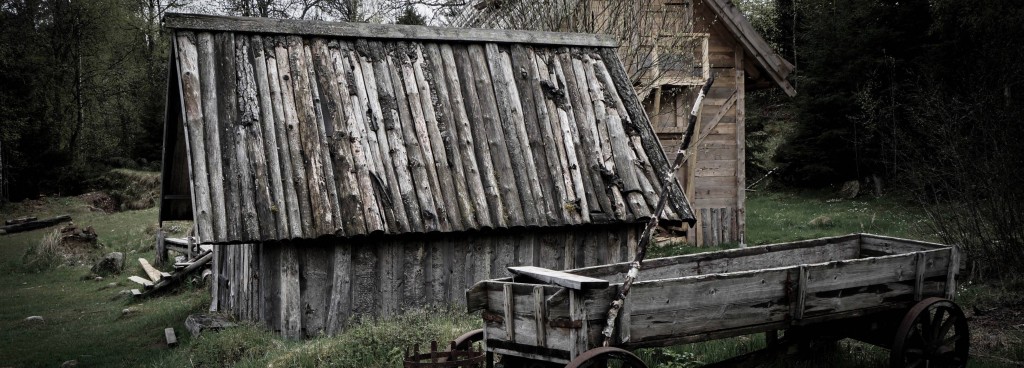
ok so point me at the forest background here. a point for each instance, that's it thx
(921, 95)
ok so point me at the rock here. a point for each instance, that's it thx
(112, 263)
(821, 221)
(69, 364)
(197, 323)
(112, 285)
(98, 278)
(850, 189)
(129, 310)
(34, 319)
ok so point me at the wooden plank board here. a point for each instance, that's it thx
(141, 281)
(171, 338)
(151, 271)
(380, 31)
(575, 282)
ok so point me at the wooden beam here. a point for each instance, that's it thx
(172, 339)
(575, 282)
(141, 281)
(381, 31)
(151, 271)
(741, 152)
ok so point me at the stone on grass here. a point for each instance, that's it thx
(129, 310)
(69, 364)
(34, 319)
(850, 189)
(112, 263)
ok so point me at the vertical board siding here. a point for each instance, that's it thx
(307, 288)
(299, 137)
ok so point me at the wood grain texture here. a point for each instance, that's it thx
(380, 31)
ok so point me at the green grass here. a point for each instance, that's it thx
(789, 216)
(84, 321)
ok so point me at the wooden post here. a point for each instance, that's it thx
(741, 176)
(161, 248)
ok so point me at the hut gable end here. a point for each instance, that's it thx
(295, 129)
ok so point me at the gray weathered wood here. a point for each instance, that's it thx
(460, 108)
(410, 118)
(268, 123)
(290, 203)
(380, 31)
(310, 139)
(481, 145)
(298, 170)
(192, 103)
(170, 337)
(437, 128)
(560, 278)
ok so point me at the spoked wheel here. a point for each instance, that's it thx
(466, 341)
(933, 334)
(606, 357)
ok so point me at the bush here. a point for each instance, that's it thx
(44, 256)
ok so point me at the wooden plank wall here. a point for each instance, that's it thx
(299, 137)
(302, 288)
(713, 176)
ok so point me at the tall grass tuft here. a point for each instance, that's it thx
(45, 255)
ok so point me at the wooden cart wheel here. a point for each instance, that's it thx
(466, 341)
(933, 334)
(606, 357)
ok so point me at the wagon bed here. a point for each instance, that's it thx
(554, 316)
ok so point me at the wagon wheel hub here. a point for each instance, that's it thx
(934, 333)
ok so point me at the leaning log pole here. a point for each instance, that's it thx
(645, 237)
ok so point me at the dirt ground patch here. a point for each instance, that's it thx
(100, 201)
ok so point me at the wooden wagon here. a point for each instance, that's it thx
(886, 291)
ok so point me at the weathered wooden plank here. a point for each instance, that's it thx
(290, 206)
(291, 306)
(390, 274)
(643, 127)
(340, 308)
(392, 127)
(589, 136)
(366, 284)
(211, 125)
(323, 128)
(585, 150)
(191, 98)
(269, 124)
(412, 275)
(170, 337)
(385, 180)
(570, 138)
(578, 337)
(152, 272)
(522, 71)
(228, 129)
(380, 31)
(741, 175)
(141, 281)
(295, 156)
(439, 130)
(509, 309)
(463, 135)
(558, 159)
(495, 137)
(270, 279)
(438, 273)
(560, 278)
(510, 118)
(349, 208)
(356, 130)
(538, 79)
(417, 144)
(481, 140)
(540, 316)
(599, 95)
(251, 151)
(311, 139)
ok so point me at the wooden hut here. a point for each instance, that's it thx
(357, 169)
(679, 45)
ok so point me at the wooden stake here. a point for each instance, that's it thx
(645, 237)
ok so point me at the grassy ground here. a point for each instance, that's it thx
(84, 321)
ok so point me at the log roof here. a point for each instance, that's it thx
(284, 129)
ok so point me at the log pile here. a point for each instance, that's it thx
(31, 223)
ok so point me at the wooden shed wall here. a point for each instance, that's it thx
(713, 176)
(299, 137)
(304, 287)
